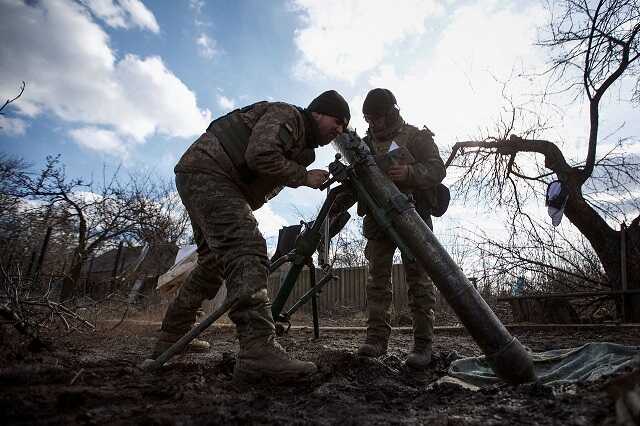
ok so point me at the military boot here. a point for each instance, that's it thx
(421, 302)
(419, 358)
(375, 345)
(378, 326)
(166, 340)
(263, 358)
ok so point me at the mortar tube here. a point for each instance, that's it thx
(506, 355)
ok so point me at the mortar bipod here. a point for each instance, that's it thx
(300, 242)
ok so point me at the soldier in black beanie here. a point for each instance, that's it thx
(331, 103)
(242, 160)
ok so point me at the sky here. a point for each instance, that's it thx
(132, 84)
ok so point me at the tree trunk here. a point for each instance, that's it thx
(71, 280)
(606, 243)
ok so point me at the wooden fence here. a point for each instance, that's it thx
(349, 290)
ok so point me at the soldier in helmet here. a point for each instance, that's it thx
(241, 161)
(418, 179)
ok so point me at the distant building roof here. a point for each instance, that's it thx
(157, 260)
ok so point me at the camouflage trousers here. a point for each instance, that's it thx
(379, 253)
(230, 247)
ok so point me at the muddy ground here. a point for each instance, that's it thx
(91, 378)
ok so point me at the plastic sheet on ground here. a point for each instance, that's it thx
(185, 261)
(560, 366)
(174, 278)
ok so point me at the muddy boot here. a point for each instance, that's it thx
(264, 359)
(375, 345)
(419, 358)
(379, 253)
(421, 302)
(261, 357)
(166, 340)
(378, 328)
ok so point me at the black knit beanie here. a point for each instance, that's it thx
(333, 104)
(378, 102)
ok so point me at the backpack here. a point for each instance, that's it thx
(436, 207)
(443, 197)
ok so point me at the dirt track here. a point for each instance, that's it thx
(93, 379)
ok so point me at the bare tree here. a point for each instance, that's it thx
(347, 248)
(160, 215)
(100, 212)
(542, 257)
(600, 39)
(10, 168)
(15, 98)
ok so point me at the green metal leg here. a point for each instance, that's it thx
(285, 291)
(314, 305)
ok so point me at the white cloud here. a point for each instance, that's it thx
(451, 81)
(207, 47)
(342, 40)
(225, 103)
(456, 90)
(167, 162)
(87, 196)
(99, 140)
(12, 126)
(196, 5)
(454, 83)
(269, 222)
(157, 98)
(123, 13)
(72, 72)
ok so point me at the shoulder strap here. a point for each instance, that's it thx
(367, 140)
(234, 135)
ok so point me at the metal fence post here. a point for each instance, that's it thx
(623, 269)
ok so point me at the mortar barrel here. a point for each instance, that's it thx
(508, 358)
(506, 355)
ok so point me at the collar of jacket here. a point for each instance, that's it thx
(311, 130)
(388, 134)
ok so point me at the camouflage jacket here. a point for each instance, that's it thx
(280, 146)
(424, 175)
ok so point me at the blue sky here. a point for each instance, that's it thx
(134, 83)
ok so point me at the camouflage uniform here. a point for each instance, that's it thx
(220, 201)
(424, 175)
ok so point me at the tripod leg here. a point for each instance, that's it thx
(314, 305)
(152, 364)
